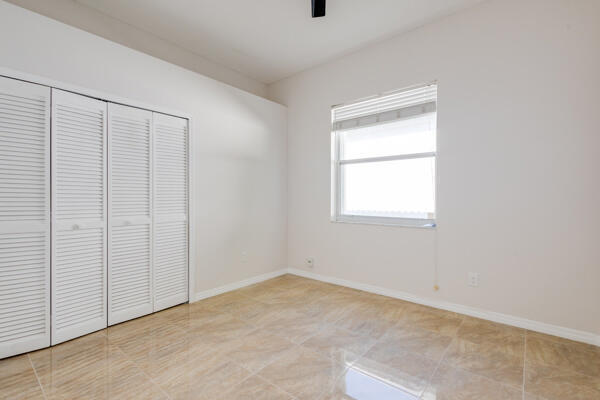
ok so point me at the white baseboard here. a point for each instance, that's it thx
(555, 330)
(236, 285)
(567, 333)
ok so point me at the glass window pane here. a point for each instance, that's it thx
(406, 136)
(400, 188)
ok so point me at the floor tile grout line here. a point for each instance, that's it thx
(472, 372)
(556, 340)
(481, 375)
(430, 379)
(274, 385)
(296, 345)
(257, 372)
(143, 372)
(36, 376)
(570, 370)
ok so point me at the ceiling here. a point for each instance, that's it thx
(268, 40)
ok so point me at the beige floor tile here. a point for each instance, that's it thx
(556, 339)
(340, 344)
(255, 388)
(438, 321)
(103, 375)
(478, 330)
(207, 377)
(529, 396)
(18, 380)
(552, 383)
(416, 340)
(493, 337)
(200, 316)
(255, 313)
(293, 325)
(489, 359)
(257, 349)
(401, 369)
(146, 328)
(188, 314)
(221, 329)
(331, 307)
(140, 346)
(76, 356)
(567, 356)
(370, 316)
(161, 362)
(303, 373)
(454, 384)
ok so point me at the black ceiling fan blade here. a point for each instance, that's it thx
(318, 8)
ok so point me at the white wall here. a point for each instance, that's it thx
(519, 163)
(240, 142)
(78, 15)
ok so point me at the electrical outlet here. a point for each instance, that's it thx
(309, 262)
(473, 279)
(244, 256)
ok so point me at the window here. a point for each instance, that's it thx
(383, 152)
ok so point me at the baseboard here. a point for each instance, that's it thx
(236, 285)
(567, 333)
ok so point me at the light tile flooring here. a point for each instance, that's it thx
(295, 338)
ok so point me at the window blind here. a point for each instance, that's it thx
(390, 107)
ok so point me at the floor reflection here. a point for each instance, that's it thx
(359, 385)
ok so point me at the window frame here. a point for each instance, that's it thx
(336, 184)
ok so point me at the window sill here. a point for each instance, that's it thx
(384, 221)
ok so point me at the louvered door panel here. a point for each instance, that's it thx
(24, 217)
(79, 262)
(130, 223)
(170, 211)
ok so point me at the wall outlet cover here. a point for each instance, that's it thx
(473, 279)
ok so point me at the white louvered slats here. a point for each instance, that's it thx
(94, 217)
(130, 292)
(24, 217)
(170, 211)
(79, 261)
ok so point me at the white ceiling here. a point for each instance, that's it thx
(272, 39)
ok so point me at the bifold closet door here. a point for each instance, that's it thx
(79, 259)
(24, 217)
(130, 213)
(170, 211)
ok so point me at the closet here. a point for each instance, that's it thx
(93, 214)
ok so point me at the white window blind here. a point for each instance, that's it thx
(394, 106)
(384, 151)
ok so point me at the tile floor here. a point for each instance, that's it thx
(295, 338)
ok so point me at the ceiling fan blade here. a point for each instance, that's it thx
(318, 8)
